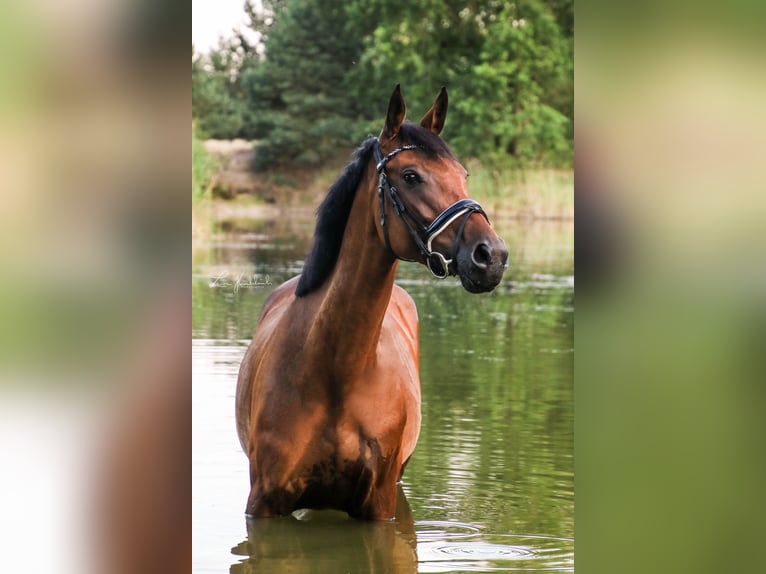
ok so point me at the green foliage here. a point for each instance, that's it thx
(301, 109)
(507, 106)
(203, 167)
(321, 75)
(215, 108)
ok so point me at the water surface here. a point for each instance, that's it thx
(490, 487)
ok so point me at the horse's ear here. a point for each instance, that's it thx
(395, 115)
(434, 118)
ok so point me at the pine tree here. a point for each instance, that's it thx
(318, 74)
(302, 109)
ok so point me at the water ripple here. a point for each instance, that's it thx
(476, 552)
(429, 530)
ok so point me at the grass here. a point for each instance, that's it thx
(530, 194)
(204, 168)
(541, 193)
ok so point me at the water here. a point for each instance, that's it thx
(490, 487)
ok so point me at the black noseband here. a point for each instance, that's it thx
(436, 262)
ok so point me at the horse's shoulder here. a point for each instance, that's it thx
(402, 310)
(279, 297)
(404, 302)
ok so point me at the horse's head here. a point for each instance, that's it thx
(424, 213)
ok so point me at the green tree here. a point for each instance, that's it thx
(216, 106)
(317, 76)
(302, 111)
(507, 65)
(516, 102)
(221, 100)
(422, 45)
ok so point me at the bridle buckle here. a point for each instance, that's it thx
(442, 261)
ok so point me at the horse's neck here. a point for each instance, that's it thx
(350, 317)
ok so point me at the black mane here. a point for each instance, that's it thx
(334, 211)
(332, 216)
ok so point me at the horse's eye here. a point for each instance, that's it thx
(411, 178)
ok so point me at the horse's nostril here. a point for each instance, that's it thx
(482, 255)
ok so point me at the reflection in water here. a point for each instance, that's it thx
(491, 482)
(494, 553)
(329, 541)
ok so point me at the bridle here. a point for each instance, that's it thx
(437, 263)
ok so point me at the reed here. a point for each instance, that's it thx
(204, 168)
(529, 194)
(541, 193)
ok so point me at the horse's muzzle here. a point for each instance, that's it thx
(481, 265)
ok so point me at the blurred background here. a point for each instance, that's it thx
(669, 259)
(94, 301)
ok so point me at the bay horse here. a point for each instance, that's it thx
(328, 393)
